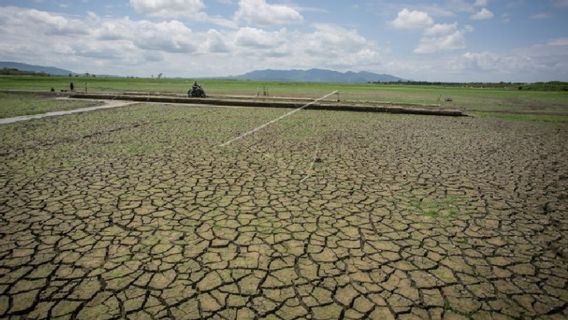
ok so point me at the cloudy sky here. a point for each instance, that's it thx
(444, 40)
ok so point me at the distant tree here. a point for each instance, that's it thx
(159, 75)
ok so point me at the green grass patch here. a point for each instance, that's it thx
(438, 208)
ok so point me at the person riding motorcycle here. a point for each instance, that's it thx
(196, 91)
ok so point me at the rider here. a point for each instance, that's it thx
(196, 90)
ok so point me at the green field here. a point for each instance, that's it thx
(468, 99)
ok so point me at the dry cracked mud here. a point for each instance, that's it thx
(136, 213)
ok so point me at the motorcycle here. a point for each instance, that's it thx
(196, 92)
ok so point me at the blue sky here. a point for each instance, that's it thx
(445, 40)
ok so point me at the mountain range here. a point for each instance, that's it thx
(311, 75)
(33, 68)
(317, 75)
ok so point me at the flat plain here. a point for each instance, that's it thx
(138, 213)
(463, 98)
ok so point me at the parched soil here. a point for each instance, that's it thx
(137, 213)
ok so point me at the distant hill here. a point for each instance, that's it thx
(32, 68)
(317, 75)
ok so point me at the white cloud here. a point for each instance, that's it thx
(84, 42)
(186, 9)
(483, 14)
(169, 36)
(45, 22)
(337, 43)
(493, 62)
(536, 63)
(436, 37)
(124, 46)
(441, 29)
(259, 39)
(258, 12)
(441, 37)
(543, 62)
(111, 45)
(168, 8)
(327, 45)
(412, 19)
(216, 42)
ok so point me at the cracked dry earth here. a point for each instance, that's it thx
(135, 213)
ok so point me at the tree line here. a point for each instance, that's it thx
(536, 86)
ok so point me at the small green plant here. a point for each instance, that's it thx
(435, 208)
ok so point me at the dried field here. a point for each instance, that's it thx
(17, 104)
(138, 213)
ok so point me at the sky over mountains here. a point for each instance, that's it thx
(446, 40)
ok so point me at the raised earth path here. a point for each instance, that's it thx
(256, 103)
(135, 213)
